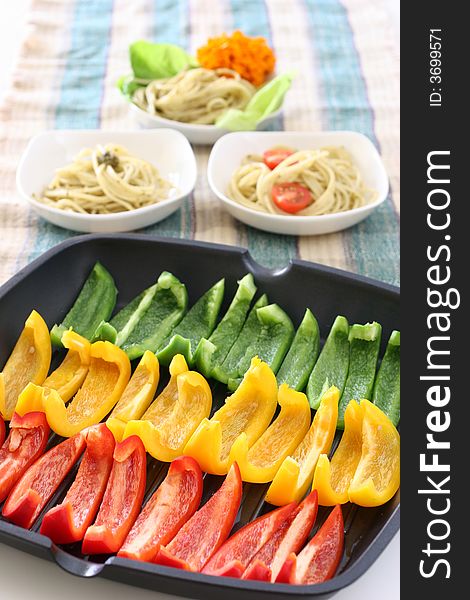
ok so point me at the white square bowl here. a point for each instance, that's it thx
(229, 151)
(196, 133)
(166, 149)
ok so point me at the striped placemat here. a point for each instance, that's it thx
(346, 56)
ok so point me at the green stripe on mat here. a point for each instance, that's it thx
(81, 90)
(269, 249)
(373, 246)
(170, 23)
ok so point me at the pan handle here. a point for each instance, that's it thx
(74, 565)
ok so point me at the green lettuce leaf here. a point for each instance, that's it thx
(127, 86)
(153, 61)
(266, 100)
(157, 61)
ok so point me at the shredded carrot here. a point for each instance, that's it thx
(251, 57)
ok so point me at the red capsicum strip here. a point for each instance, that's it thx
(290, 537)
(320, 558)
(234, 555)
(35, 488)
(207, 529)
(25, 443)
(169, 508)
(2, 431)
(122, 499)
(67, 522)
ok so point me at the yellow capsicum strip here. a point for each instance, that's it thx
(71, 373)
(260, 463)
(190, 399)
(296, 472)
(137, 396)
(377, 476)
(104, 384)
(31, 399)
(249, 410)
(332, 480)
(161, 408)
(29, 362)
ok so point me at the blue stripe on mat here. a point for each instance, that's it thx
(81, 89)
(270, 250)
(372, 247)
(170, 23)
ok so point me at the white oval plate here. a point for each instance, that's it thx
(167, 149)
(196, 134)
(229, 151)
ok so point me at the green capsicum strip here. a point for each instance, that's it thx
(386, 394)
(250, 330)
(302, 355)
(94, 304)
(332, 365)
(271, 344)
(105, 332)
(165, 311)
(364, 352)
(213, 351)
(125, 321)
(199, 322)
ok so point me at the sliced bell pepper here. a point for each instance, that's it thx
(302, 355)
(260, 463)
(296, 472)
(166, 439)
(37, 485)
(122, 499)
(249, 411)
(71, 373)
(207, 529)
(332, 479)
(320, 558)
(152, 326)
(289, 537)
(229, 368)
(2, 430)
(386, 394)
(197, 323)
(365, 346)
(332, 365)
(26, 441)
(104, 384)
(67, 522)
(125, 321)
(213, 350)
(232, 558)
(271, 344)
(174, 502)
(162, 407)
(93, 305)
(31, 399)
(377, 476)
(105, 332)
(137, 396)
(29, 362)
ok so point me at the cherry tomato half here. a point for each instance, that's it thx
(291, 197)
(275, 156)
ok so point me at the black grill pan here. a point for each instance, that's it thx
(50, 285)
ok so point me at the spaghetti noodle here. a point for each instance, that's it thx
(195, 96)
(104, 180)
(334, 182)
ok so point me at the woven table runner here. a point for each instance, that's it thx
(346, 57)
